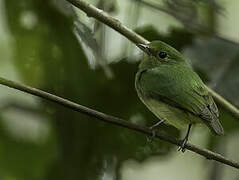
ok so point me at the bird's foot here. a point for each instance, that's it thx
(150, 138)
(182, 146)
(185, 140)
(156, 124)
(152, 128)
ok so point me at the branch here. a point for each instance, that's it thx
(105, 18)
(115, 120)
(115, 24)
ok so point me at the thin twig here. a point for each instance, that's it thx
(115, 24)
(114, 120)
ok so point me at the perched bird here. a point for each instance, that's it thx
(168, 86)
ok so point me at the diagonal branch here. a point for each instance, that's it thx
(115, 120)
(105, 18)
(115, 24)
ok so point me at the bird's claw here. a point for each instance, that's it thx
(150, 138)
(185, 140)
(152, 128)
(182, 146)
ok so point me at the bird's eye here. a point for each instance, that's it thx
(162, 54)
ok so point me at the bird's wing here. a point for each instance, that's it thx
(181, 87)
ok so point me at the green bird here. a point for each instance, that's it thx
(171, 90)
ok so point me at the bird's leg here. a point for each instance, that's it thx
(185, 140)
(156, 124)
(149, 139)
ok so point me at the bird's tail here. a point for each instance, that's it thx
(216, 127)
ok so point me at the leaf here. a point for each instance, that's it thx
(91, 47)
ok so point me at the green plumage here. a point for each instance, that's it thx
(169, 87)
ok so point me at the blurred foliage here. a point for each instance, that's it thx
(198, 16)
(48, 55)
(23, 159)
(177, 37)
(195, 15)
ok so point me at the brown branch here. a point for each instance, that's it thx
(114, 120)
(105, 18)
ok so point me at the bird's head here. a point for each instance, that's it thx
(160, 53)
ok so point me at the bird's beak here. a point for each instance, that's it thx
(144, 47)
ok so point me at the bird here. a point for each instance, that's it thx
(166, 83)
